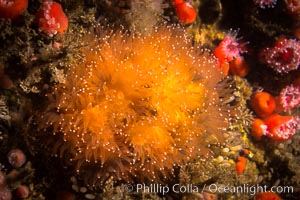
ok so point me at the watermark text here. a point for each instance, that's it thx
(211, 188)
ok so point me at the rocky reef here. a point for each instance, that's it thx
(160, 99)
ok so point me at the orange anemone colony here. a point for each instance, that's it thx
(137, 106)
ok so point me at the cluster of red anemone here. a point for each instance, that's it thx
(270, 121)
(283, 56)
(11, 9)
(265, 3)
(50, 17)
(229, 53)
(185, 11)
(16, 159)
